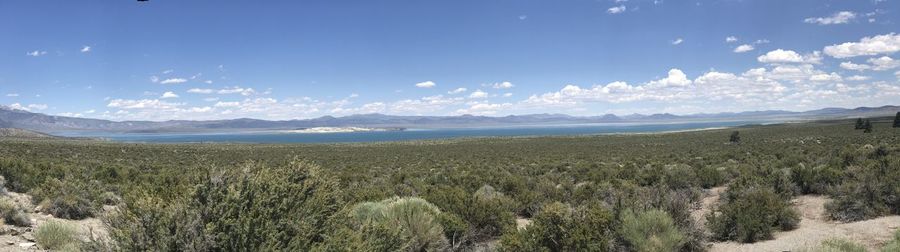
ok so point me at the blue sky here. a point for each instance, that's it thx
(162, 60)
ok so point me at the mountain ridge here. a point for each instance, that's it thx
(15, 118)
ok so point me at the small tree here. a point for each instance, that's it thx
(859, 123)
(867, 126)
(735, 137)
(897, 120)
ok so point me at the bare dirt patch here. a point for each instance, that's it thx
(14, 238)
(813, 229)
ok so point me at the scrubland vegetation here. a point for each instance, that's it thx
(587, 193)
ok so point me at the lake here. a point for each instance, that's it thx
(409, 134)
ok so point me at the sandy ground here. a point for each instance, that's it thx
(814, 227)
(22, 238)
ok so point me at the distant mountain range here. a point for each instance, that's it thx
(14, 118)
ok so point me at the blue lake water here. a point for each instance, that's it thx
(409, 134)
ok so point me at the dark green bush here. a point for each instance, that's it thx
(752, 214)
(251, 209)
(559, 227)
(68, 198)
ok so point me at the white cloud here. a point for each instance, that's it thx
(173, 81)
(200, 91)
(842, 17)
(237, 90)
(677, 41)
(211, 99)
(484, 108)
(503, 85)
(743, 48)
(858, 78)
(788, 56)
(426, 84)
(70, 114)
(675, 78)
(227, 104)
(86, 49)
(833, 77)
(36, 53)
(12, 95)
(867, 46)
(616, 9)
(457, 91)
(507, 95)
(154, 79)
(730, 39)
(168, 94)
(478, 94)
(853, 66)
(884, 63)
(142, 104)
(37, 106)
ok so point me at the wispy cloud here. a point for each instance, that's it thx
(842, 17)
(617, 9)
(173, 81)
(426, 84)
(36, 53)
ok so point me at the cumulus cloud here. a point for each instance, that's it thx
(168, 94)
(867, 46)
(484, 108)
(426, 84)
(853, 66)
(842, 17)
(730, 39)
(743, 48)
(677, 41)
(858, 78)
(884, 63)
(172, 81)
(788, 56)
(616, 9)
(675, 78)
(200, 91)
(457, 91)
(86, 49)
(502, 85)
(478, 94)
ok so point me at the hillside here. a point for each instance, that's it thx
(13, 118)
(21, 133)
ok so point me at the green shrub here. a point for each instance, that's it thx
(710, 176)
(55, 235)
(366, 237)
(893, 245)
(68, 198)
(752, 215)
(836, 245)
(416, 219)
(651, 230)
(816, 180)
(254, 208)
(558, 227)
(13, 215)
